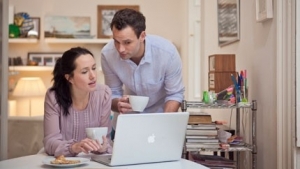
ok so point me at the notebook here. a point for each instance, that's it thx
(147, 138)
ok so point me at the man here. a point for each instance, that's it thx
(134, 63)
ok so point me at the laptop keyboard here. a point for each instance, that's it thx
(107, 159)
(103, 158)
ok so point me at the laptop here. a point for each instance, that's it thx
(147, 138)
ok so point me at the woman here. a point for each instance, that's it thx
(73, 103)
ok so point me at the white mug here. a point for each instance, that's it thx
(138, 103)
(96, 133)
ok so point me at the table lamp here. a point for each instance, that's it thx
(29, 87)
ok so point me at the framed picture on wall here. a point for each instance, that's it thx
(36, 25)
(43, 58)
(56, 26)
(105, 15)
(264, 10)
(228, 21)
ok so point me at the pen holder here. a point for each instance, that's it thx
(244, 94)
(237, 95)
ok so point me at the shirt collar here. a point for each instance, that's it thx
(148, 54)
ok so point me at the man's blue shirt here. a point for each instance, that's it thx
(158, 75)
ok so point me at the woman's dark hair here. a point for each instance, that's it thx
(61, 86)
(129, 17)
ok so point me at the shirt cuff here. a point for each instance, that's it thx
(71, 151)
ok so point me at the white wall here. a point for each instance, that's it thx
(298, 84)
(256, 52)
(159, 22)
(167, 23)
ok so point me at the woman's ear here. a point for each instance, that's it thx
(67, 76)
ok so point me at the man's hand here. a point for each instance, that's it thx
(172, 106)
(124, 105)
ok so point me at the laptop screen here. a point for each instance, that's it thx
(148, 138)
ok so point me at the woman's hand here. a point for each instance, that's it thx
(123, 105)
(103, 146)
(87, 145)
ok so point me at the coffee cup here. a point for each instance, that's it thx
(96, 133)
(138, 103)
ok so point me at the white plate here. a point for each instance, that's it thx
(48, 160)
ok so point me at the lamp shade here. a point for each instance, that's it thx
(30, 86)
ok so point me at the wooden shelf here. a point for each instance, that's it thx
(56, 40)
(23, 40)
(36, 68)
(90, 41)
(31, 68)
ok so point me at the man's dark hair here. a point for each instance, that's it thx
(129, 17)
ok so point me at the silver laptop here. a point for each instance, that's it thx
(147, 138)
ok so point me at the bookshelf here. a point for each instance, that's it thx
(30, 68)
(76, 41)
(248, 147)
(22, 40)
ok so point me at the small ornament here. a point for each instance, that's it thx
(24, 22)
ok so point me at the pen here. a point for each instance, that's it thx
(239, 81)
(245, 83)
(242, 78)
(234, 82)
(236, 88)
(245, 78)
(243, 86)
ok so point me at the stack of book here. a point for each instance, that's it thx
(213, 162)
(201, 132)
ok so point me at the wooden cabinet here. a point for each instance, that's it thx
(222, 63)
(221, 66)
(218, 81)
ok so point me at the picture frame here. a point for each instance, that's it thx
(105, 14)
(37, 25)
(264, 10)
(58, 26)
(44, 58)
(228, 21)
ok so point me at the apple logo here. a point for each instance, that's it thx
(151, 139)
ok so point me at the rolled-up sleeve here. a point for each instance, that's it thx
(173, 81)
(111, 78)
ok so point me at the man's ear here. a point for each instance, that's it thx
(142, 36)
